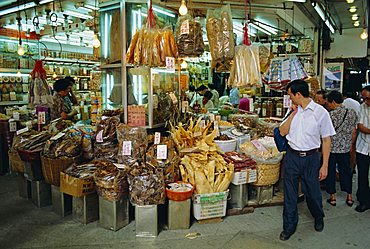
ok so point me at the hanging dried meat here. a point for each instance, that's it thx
(39, 93)
(132, 144)
(146, 185)
(115, 37)
(221, 38)
(245, 70)
(110, 181)
(189, 36)
(106, 142)
(151, 46)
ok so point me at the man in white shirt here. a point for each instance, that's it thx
(304, 129)
(363, 153)
(351, 104)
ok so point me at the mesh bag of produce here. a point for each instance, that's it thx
(110, 181)
(106, 142)
(132, 144)
(146, 185)
(189, 36)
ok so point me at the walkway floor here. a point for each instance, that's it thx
(22, 225)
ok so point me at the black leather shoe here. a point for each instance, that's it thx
(362, 208)
(284, 235)
(319, 224)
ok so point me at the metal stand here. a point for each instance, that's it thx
(86, 209)
(24, 187)
(239, 196)
(146, 221)
(62, 203)
(113, 215)
(41, 193)
(179, 214)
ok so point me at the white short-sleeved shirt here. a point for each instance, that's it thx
(352, 104)
(363, 140)
(308, 126)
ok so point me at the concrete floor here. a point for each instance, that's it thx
(22, 225)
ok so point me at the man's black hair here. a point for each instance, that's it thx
(61, 85)
(335, 96)
(366, 88)
(323, 93)
(208, 95)
(211, 86)
(70, 79)
(300, 86)
(202, 88)
(192, 88)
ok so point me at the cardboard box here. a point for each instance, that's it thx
(76, 187)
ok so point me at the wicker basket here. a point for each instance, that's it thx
(51, 168)
(267, 174)
(16, 161)
(32, 164)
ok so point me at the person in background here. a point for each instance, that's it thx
(350, 103)
(244, 104)
(320, 98)
(344, 121)
(234, 96)
(190, 92)
(60, 109)
(216, 96)
(197, 99)
(71, 96)
(207, 100)
(304, 129)
(363, 153)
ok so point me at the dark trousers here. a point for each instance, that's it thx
(363, 190)
(307, 169)
(343, 160)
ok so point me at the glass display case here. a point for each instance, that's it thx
(157, 91)
(14, 87)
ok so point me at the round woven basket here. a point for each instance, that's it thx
(51, 168)
(267, 174)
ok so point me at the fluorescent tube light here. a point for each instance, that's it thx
(164, 12)
(77, 14)
(22, 7)
(269, 29)
(323, 17)
(259, 28)
(92, 7)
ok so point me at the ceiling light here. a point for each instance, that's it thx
(350, 1)
(77, 14)
(268, 28)
(352, 9)
(323, 17)
(356, 23)
(54, 75)
(96, 42)
(259, 28)
(184, 65)
(164, 12)
(183, 10)
(20, 50)
(355, 17)
(91, 7)
(364, 34)
(22, 7)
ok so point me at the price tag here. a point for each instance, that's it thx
(258, 145)
(252, 175)
(215, 126)
(57, 136)
(197, 134)
(86, 109)
(126, 148)
(170, 64)
(41, 118)
(99, 137)
(202, 124)
(185, 107)
(16, 116)
(22, 130)
(174, 98)
(12, 126)
(212, 117)
(184, 29)
(287, 103)
(157, 138)
(251, 105)
(162, 151)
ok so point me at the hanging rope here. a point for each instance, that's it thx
(151, 18)
(246, 40)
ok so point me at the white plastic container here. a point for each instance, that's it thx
(227, 145)
(206, 206)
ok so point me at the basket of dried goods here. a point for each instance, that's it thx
(267, 174)
(179, 191)
(225, 143)
(15, 161)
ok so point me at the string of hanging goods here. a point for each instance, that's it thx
(246, 40)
